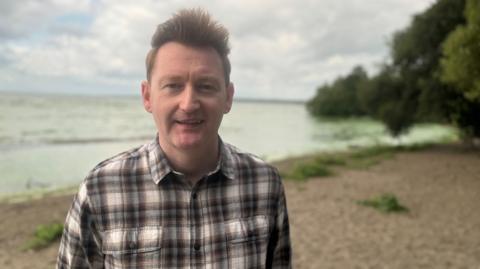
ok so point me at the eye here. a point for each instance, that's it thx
(173, 86)
(208, 87)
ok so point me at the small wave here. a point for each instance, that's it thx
(10, 144)
(97, 140)
(36, 183)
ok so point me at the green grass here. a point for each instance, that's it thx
(44, 235)
(314, 166)
(331, 160)
(303, 171)
(324, 164)
(386, 203)
(372, 152)
(367, 157)
(36, 194)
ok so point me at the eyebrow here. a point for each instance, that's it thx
(208, 79)
(169, 78)
(201, 78)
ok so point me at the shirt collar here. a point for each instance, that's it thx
(157, 161)
(160, 168)
(227, 160)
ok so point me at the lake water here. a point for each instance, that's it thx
(50, 141)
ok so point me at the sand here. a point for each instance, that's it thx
(440, 186)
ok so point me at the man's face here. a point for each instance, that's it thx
(187, 96)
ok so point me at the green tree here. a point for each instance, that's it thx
(409, 87)
(416, 52)
(461, 63)
(340, 98)
(383, 97)
(465, 115)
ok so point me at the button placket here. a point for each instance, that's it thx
(196, 207)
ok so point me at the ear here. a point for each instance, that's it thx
(230, 92)
(146, 96)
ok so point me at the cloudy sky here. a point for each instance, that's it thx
(281, 49)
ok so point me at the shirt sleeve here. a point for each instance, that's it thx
(279, 249)
(79, 246)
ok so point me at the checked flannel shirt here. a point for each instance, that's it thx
(134, 211)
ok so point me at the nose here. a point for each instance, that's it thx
(189, 100)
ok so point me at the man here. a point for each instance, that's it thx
(186, 199)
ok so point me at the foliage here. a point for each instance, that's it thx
(369, 156)
(394, 116)
(372, 152)
(331, 160)
(383, 97)
(465, 114)
(340, 98)
(416, 84)
(45, 235)
(444, 89)
(431, 85)
(322, 164)
(386, 203)
(416, 53)
(373, 92)
(303, 171)
(461, 65)
(461, 68)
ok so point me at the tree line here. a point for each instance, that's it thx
(432, 74)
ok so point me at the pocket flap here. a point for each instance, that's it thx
(132, 240)
(246, 229)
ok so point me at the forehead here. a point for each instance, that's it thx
(174, 58)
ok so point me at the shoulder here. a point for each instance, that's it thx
(240, 155)
(134, 154)
(248, 165)
(256, 179)
(128, 155)
(127, 162)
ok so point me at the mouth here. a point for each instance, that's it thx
(189, 122)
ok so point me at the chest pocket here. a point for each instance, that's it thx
(132, 241)
(247, 241)
(247, 229)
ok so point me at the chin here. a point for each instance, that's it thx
(189, 143)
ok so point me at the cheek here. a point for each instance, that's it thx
(160, 115)
(215, 110)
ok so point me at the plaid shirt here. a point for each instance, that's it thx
(134, 211)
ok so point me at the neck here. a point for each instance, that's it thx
(194, 163)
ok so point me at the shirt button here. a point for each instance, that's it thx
(132, 245)
(196, 246)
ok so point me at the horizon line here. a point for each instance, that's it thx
(120, 95)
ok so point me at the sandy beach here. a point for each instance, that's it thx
(439, 185)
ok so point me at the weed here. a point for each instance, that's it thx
(44, 236)
(303, 171)
(321, 165)
(372, 152)
(386, 203)
(331, 160)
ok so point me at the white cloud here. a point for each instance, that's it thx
(23, 18)
(281, 49)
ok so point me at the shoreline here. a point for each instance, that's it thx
(35, 194)
(439, 184)
(278, 162)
